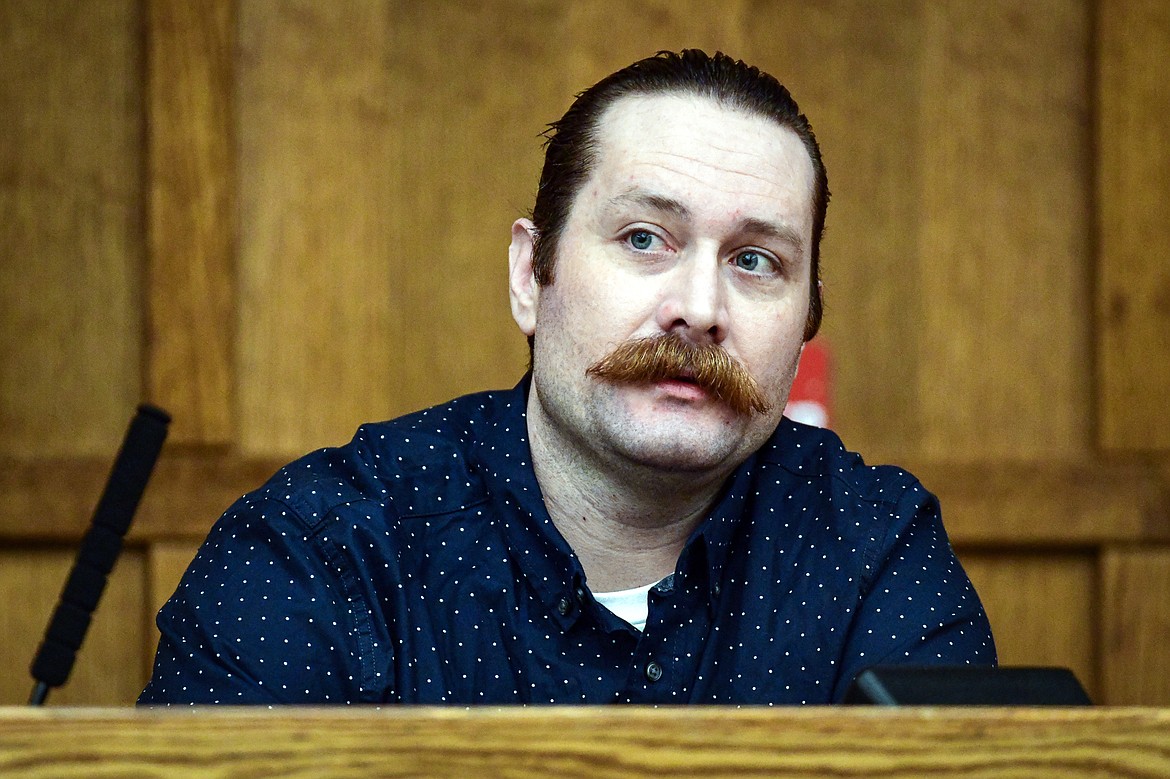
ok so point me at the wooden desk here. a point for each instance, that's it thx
(586, 742)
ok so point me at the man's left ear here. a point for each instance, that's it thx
(821, 303)
(522, 287)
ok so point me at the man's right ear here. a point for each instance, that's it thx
(522, 287)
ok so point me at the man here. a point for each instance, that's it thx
(635, 522)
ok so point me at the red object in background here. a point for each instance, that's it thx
(809, 400)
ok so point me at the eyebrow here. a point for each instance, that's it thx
(778, 232)
(657, 202)
(668, 205)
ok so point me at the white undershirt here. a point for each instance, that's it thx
(631, 605)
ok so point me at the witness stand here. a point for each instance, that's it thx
(586, 741)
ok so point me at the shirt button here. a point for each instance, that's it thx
(653, 671)
(564, 606)
(580, 593)
(716, 589)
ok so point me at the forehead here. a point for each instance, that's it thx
(699, 151)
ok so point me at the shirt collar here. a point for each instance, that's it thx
(705, 554)
(540, 551)
(553, 570)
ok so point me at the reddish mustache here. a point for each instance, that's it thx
(669, 356)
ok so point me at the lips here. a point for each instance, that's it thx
(683, 387)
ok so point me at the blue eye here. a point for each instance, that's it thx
(641, 240)
(749, 260)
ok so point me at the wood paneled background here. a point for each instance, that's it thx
(281, 219)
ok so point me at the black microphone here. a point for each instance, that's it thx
(99, 550)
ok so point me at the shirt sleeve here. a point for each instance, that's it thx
(262, 615)
(919, 607)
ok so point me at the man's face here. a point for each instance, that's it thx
(697, 220)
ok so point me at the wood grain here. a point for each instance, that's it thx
(191, 223)
(475, 89)
(53, 500)
(854, 74)
(380, 174)
(1042, 608)
(987, 505)
(108, 669)
(70, 225)
(608, 36)
(1133, 186)
(320, 324)
(589, 742)
(1135, 630)
(1051, 504)
(1005, 241)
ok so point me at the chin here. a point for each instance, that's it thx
(681, 437)
(689, 463)
(682, 451)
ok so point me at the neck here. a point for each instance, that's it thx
(626, 523)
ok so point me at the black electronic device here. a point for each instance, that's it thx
(966, 686)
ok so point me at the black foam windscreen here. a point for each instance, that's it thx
(101, 546)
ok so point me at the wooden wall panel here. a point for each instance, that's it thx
(1133, 187)
(1042, 608)
(70, 225)
(192, 210)
(1049, 506)
(108, 669)
(1055, 505)
(472, 86)
(320, 322)
(385, 150)
(606, 36)
(853, 72)
(1005, 242)
(957, 247)
(1136, 626)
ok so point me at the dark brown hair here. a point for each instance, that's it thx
(571, 147)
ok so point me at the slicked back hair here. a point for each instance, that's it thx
(571, 147)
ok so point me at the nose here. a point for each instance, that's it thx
(694, 299)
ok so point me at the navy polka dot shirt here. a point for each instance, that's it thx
(417, 564)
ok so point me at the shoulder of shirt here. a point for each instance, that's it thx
(420, 464)
(809, 453)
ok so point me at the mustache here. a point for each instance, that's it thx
(670, 356)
